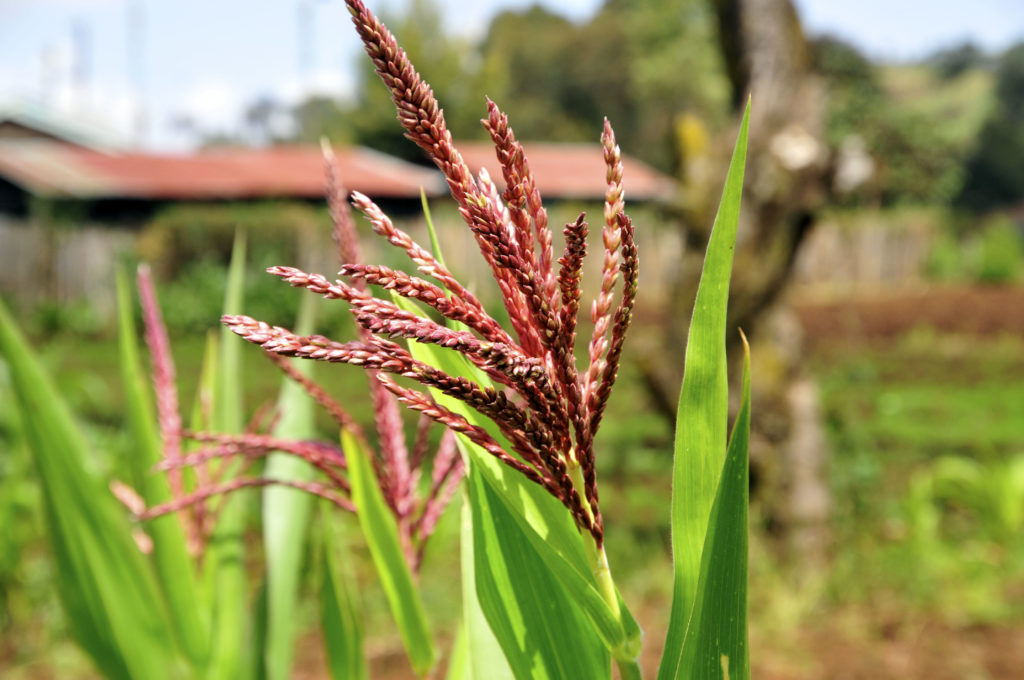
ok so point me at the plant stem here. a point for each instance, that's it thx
(629, 670)
(597, 556)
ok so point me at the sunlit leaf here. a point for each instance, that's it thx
(114, 607)
(701, 424)
(339, 615)
(716, 638)
(381, 534)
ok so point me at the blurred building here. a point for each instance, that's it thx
(72, 197)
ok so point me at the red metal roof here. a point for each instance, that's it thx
(54, 169)
(573, 171)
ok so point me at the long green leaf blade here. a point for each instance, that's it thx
(716, 638)
(225, 556)
(112, 601)
(339, 615)
(481, 654)
(286, 514)
(381, 534)
(174, 567)
(541, 630)
(701, 424)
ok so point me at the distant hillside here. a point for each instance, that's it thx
(959, 106)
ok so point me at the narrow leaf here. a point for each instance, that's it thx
(481, 656)
(174, 567)
(540, 628)
(113, 604)
(381, 534)
(701, 423)
(286, 514)
(339, 616)
(225, 556)
(716, 638)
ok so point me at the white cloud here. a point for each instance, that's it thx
(334, 83)
(214, 104)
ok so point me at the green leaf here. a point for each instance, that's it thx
(459, 660)
(113, 605)
(545, 533)
(339, 616)
(701, 424)
(435, 243)
(716, 638)
(224, 562)
(174, 567)
(381, 534)
(539, 626)
(286, 514)
(481, 655)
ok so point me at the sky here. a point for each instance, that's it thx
(136, 66)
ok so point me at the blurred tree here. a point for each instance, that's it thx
(995, 170)
(556, 75)
(265, 120)
(644, 64)
(320, 116)
(916, 159)
(953, 62)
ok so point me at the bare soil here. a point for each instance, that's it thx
(969, 310)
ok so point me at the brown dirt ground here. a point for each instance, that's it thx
(983, 311)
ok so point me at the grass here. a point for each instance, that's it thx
(892, 412)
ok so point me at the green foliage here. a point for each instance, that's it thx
(224, 576)
(716, 637)
(79, 318)
(286, 517)
(700, 452)
(928, 536)
(103, 577)
(183, 234)
(624, 64)
(953, 62)
(1001, 251)
(339, 613)
(995, 174)
(381, 534)
(916, 126)
(992, 254)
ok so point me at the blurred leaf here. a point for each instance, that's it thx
(112, 602)
(381, 534)
(339, 616)
(458, 661)
(286, 514)
(174, 567)
(224, 562)
(701, 423)
(716, 637)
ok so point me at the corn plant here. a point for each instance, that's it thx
(539, 598)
